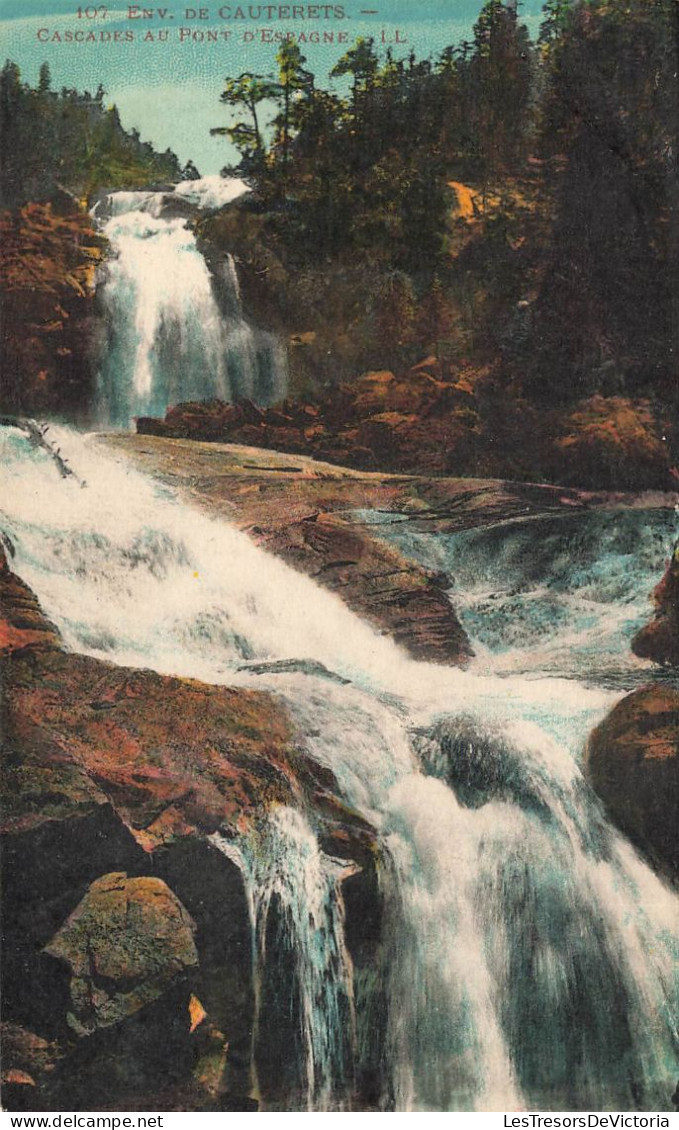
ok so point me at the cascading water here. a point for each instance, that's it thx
(530, 956)
(283, 864)
(174, 332)
(558, 594)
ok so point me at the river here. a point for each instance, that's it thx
(530, 959)
(529, 956)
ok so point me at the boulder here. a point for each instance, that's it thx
(659, 640)
(632, 758)
(632, 762)
(395, 595)
(125, 943)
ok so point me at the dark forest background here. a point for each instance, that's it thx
(506, 212)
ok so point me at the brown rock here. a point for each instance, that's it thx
(632, 762)
(127, 772)
(612, 443)
(28, 1065)
(408, 394)
(413, 421)
(24, 1051)
(48, 264)
(22, 622)
(304, 511)
(396, 596)
(173, 756)
(659, 640)
(125, 943)
(18, 1078)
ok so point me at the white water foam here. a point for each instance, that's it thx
(532, 957)
(559, 594)
(213, 191)
(170, 339)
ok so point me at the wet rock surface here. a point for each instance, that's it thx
(308, 513)
(633, 764)
(121, 776)
(632, 758)
(125, 943)
(659, 639)
(22, 622)
(127, 948)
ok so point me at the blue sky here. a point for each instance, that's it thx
(169, 89)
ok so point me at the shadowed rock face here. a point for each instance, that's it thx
(51, 328)
(126, 933)
(633, 765)
(22, 622)
(125, 943)
(659, 640)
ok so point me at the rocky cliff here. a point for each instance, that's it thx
(49, 254)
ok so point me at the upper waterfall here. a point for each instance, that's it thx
(172, 334)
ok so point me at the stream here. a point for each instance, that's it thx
(529, 954)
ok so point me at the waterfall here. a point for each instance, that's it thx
(174, 332)
(530, 956)
(288, 876)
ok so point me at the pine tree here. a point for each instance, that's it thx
(293, 80)
(44, 79)
(500, 73)
(248, 91)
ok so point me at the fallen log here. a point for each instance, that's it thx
(37, 437)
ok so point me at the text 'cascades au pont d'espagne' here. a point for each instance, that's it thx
(317, 17)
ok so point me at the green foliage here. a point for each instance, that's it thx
(367, 172)
(500, 76)
(295, 85)
(190, 172)
(364, 176)
(556, 15)
(44, 79)
(566, 272)
(248, 91)
(68, 140)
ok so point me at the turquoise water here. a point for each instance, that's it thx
(557, 595)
